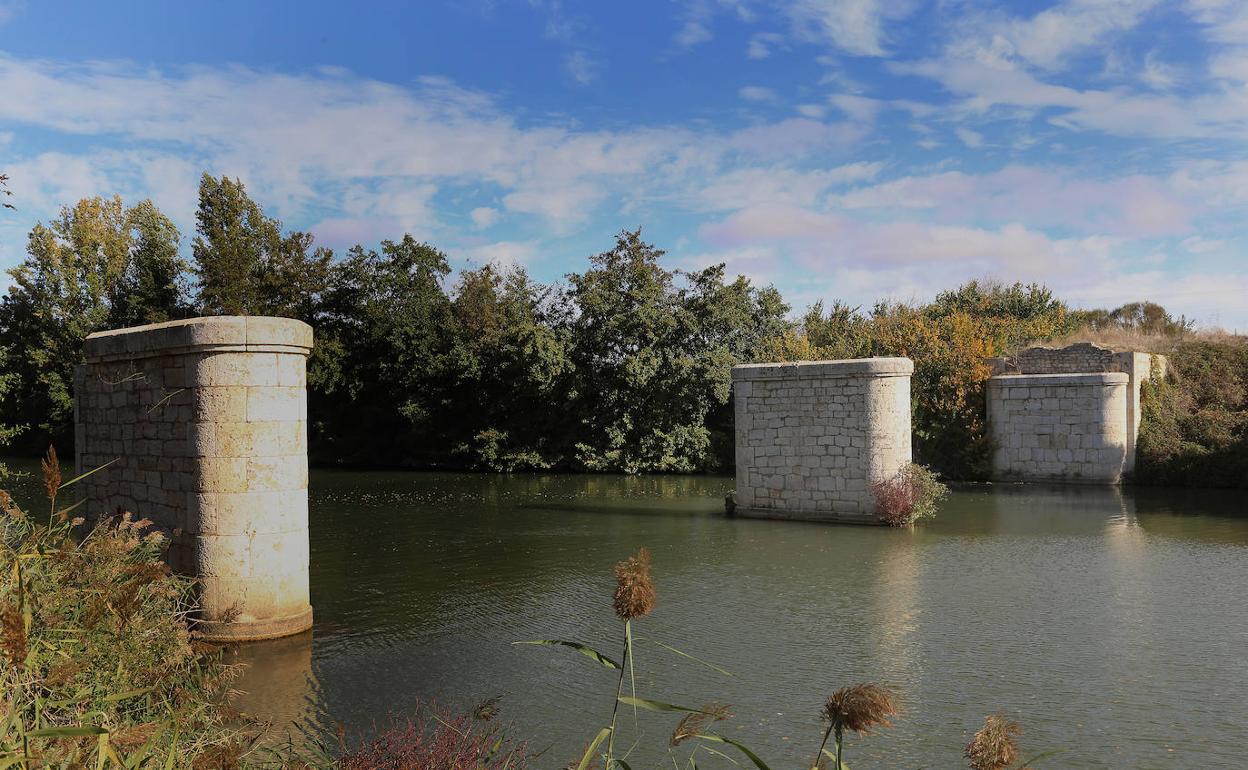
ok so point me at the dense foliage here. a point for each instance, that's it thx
(1194, 429)
(621, 367)
(96, 661)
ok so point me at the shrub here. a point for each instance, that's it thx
(437, 739)
(1194, 424)
(909, 496)
(98, 662)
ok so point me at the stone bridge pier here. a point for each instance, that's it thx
(1067, 414)
(813, 436)
(203, 425)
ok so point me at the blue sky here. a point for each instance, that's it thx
(840, 149)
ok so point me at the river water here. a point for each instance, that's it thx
(1112, 624)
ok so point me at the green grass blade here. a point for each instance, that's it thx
(758, 762)
(593, 746)
(585, 650)
(128, 694)
(694, 658)
(66, 732)
(654, 705)
(832, 757)
(82, 476)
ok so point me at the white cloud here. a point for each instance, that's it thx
(1048, 38)
(859, 108)
(582, 68)
(501, 253)
(484, 216)
(854, 26)
(756, 94)
(1198, 245)
(762, 44)
(970, 138)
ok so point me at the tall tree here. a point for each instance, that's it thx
(508, 363)
(245, 265)
(653, 357)
(76, 279)
(386, 331)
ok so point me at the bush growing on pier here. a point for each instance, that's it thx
(911, 495)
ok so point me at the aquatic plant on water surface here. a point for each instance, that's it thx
(859, 709)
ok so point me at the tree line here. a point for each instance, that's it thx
(622, 367)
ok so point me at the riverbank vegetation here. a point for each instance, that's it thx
(621, 367)
(99, 667)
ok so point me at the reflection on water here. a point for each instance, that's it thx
(1112, 623)
(279, 686)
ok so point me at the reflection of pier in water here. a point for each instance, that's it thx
(277, 684)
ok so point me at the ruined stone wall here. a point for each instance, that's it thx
(203, 426)
(1059, 427)
(811, 437)
(1086, 357)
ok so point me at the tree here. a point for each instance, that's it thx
(653, 358)
(98, 265)
(384, 325)
(4, 189)
(233, 241)
(508, 363)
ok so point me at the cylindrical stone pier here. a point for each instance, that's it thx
(813, 436)
(205, 424)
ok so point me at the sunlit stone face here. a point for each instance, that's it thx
(204, 422)
(812, 437)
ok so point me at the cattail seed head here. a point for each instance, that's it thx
(862, 707)
(51, 467)
(634, 588)
(995, 746)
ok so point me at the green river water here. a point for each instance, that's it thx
(1112, 624)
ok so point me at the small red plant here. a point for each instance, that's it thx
(907, 497)
(437, 739)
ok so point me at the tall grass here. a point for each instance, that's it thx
(99, 666)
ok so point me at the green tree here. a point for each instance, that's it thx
(508, 363)
(97, 266)
(5, 191)
(385, 326)
(653, 359)
(245, 265)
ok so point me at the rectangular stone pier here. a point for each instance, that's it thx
(812, 436)
(1059, 427)
(204, 422)
(1080, 429)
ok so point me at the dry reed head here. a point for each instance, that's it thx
(862, 707)
(692, 725)
(634, 588)
(995, 746)
(13, 643)
(51, 467)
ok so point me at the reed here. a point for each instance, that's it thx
(99, 667)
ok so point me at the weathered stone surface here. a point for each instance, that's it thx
(1079, 358)
(205, 421)
(811, 437)
(1059, 427)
